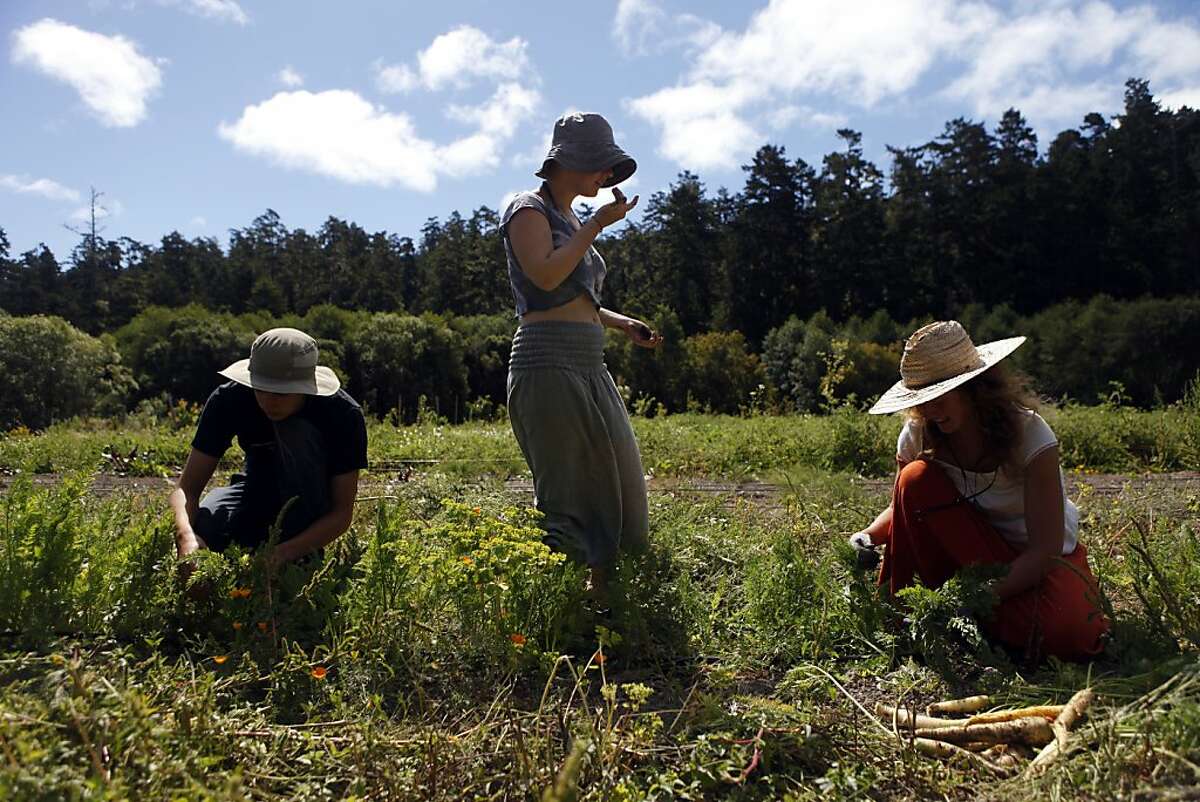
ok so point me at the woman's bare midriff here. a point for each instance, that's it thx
(579, 309)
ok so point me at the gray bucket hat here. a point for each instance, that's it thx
(584, 142)
(284, 361)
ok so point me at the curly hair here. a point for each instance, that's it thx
(1001, 397)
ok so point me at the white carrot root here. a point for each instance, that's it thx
(971, 704)
(1071, 714)
(947, 751)
(1048, 712)
(901, 717)
(1032, 731)
(1062, 725)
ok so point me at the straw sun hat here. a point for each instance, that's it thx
(284, 361)
(937, 358)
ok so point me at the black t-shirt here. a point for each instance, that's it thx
(231, 411)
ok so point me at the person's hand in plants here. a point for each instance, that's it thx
(865, 553)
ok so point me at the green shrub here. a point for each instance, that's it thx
(178, 352)
(721, 373)
(487, 342)
(395, 361)
(53, 371)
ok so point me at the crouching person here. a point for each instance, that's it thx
(980, 483)
(303, 438)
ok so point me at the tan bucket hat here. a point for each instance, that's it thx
(937, 358)
(284, 361)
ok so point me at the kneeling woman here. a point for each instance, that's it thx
(564, 408)
(980, 482)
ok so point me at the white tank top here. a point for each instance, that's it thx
(1000, 497)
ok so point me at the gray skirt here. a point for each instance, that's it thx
(575, 434)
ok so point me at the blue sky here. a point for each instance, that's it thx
(197, 115)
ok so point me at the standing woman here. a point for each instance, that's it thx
(980, 483)
(564, 408)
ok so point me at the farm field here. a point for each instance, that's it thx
(439, 651)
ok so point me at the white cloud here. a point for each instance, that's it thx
(641, 26)
(1179, 98)
(637, 21)
(864, 53)
(457, 59)
(198, 222)
(339, 134)
(41, 186)
(1032, 62)
(1055, 60)
(104, 209)
(867, 51)
(786, 116)
(290, 78)
(396, 79)
(113, 79)
(511, 105)
(223, 10)
(699, 123)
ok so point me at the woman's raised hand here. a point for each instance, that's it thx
(612, 212)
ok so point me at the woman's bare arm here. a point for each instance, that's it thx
(545, 265)
(1044, 523)
(879, 528)
(532, 244)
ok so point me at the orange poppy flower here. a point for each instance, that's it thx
(239, 593)
(599, 658)
(467, 560)
(262, 626)
(237, 625)
(477, 510)
(517, 638)
(220, 659)
(319, 672)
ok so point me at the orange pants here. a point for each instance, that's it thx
(935, 532)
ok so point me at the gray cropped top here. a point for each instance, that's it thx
(587, 277)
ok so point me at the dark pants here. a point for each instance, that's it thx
(294, 466)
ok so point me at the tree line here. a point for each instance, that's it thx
(405, 368)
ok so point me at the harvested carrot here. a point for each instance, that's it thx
(1062, 725)
(1048, 712)
(1071, 714)
(947, 751)
(906, 718)
(1032, 731)
(971, 704)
